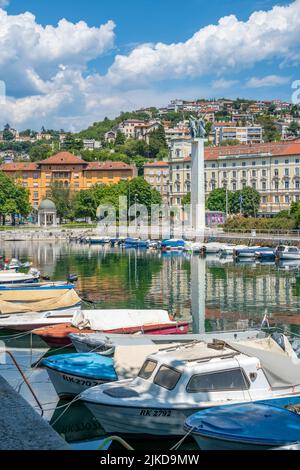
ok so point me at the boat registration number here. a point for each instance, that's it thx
(82, 382)
(155, 413)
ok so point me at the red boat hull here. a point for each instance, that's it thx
(57, 335)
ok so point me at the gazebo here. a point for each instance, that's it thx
(47, 214)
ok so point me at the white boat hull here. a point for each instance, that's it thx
(208, 443)
(140, 421)
(69, 385)
(289, 256)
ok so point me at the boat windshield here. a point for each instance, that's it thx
(147, 369)
(167, 377)
(293, 249)
(233, 379)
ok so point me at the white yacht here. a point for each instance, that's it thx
(176, 383)
(284, 252)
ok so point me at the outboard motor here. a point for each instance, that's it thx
(72, 278)
(279, 338)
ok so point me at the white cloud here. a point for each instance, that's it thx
(223, 84)
(214, 49)
(4, 3)
(31, 54)
(268, 81)
(48, 81)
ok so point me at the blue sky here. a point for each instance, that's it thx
(69, 63)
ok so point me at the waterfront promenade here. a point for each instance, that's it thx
(21, 428)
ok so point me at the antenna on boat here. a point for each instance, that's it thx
(265, 320)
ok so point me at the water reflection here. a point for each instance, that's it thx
(211, 294)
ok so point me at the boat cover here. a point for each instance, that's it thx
(247, 423)
(106, 320)
(87, 365)
(282, 368)
(128, 360)
(69, 299)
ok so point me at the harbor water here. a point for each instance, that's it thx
(211, 293)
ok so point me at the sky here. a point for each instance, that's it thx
(66, 64)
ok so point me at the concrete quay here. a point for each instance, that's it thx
(21, 428)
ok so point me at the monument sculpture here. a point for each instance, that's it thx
(198, 134)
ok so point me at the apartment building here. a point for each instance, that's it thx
(158, 175)
(245, 135)
(67, 170)
(273, 169)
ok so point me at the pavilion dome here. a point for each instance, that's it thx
(48, 205)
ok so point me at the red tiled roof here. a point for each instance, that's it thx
(272, 148)
(108, 165)
(154, 164)
(14, 167)
(63, 158)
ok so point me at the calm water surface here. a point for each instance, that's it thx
(212, 294)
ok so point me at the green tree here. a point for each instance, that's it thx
(39, 152)
(248, 199)
(64, 199)
(157, 142)
(216, 200)
(72, 143)
(186, 200)
(14, 200)
(293, 129)
(270, 131)
(141, 191)
(120, 138)
(7, 134)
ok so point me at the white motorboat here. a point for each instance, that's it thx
(10, 277)
(228, 250)
(284, 252)
(33, 320)
(213, 247)
(106, 343)
(174, 384)
(193, 247)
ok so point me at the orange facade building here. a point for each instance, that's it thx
(67, 170)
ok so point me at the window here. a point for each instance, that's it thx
(213, 165)
(244, 174)
(254, 185)
(264, 200)
(286, 185)
(244, 164)
(297, 160)
(276, 199)
(276, 185)
(233, 379)
(213, 175)
(276, 173)
(287, 199)
(253, 163)
(35, 195)
(234, 186)
(224, 174)
(286, 162)
(297, 171)
(264, 162)
(286, 172)
(167, 377)
(254, 173)
(264, 186)
(234, 174)
(224, 165)
(297, 184)
(276, 162)
(147, 369)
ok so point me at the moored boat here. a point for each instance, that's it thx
(250, 426)
(113, 321)
(34, 291)
(10, 277)
(174, 384)
(173, 245)
(284, 252)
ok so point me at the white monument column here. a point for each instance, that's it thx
(198, 189)
(198, 293)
